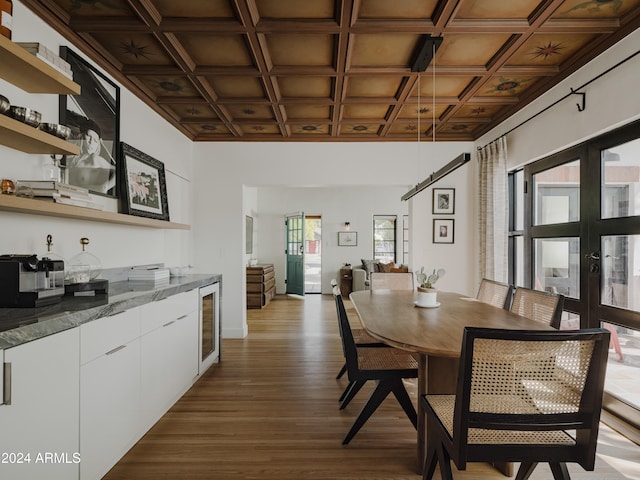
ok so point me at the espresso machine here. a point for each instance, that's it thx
(26, 281)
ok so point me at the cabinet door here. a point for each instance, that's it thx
(109, 391)
(42, 419)
(169, 365)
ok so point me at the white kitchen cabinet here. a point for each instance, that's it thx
(109, 391)
(41, 421)
(169, 353)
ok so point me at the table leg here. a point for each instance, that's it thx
(422, 390)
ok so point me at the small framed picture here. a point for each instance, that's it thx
(443, 230)
(347, 239)
(145, 187)
(444, 201)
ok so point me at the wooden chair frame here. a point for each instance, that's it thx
(443, 447)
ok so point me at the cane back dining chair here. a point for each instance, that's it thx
(390, 281)
(360, 336)
(522, 396)
(387, 366)
(544, 307)
(495, 293)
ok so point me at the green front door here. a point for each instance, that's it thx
(295, 253)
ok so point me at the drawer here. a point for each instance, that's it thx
(254, 287)
(156, 314)
(108, 333)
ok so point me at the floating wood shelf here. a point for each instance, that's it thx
(23, 137)
(31, 74)
(11, 203)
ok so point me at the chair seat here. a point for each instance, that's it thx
(361, 337)
(385, 359)
(443, 406)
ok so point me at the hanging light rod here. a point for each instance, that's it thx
(435, 176)
(424, 52)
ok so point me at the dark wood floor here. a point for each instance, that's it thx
(269, 411)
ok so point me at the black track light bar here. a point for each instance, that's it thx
(424, 52)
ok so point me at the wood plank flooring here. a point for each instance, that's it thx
(269, 411)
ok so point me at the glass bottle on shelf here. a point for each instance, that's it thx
(84, 266)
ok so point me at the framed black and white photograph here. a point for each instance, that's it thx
(347, 239)
(248, 223)
(144, 185)
(443, 230)
(444, 201)
(94, 119)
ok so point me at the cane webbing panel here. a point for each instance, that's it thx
(535, 305)
(493, 293)
(443, 406)
(385, 359)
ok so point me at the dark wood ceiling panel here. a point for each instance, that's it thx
(338, 70)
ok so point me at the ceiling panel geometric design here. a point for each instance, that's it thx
(338, 70)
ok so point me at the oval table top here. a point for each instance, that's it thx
(392, 317)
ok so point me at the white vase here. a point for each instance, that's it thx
(427, 297)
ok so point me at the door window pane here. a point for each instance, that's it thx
(557, 194)
(621, 180)
(519, 201)
(384, 238)
(557, 263)
(620, 265)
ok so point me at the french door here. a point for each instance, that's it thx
(582, 239)
(295, 253)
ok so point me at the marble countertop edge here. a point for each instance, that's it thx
(72, 312)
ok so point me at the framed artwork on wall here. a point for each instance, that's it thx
(144, 185)
(443, 230)
(347, 239)
(444, 201)
(94, 119)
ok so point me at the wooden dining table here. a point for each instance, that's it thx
(433, 334)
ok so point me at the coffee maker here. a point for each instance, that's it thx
(26, 281)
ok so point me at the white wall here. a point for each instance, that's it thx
(225, 168)
(611, 101)
(336, 205)
(142, 128)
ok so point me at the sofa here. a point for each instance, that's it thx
(360, 273)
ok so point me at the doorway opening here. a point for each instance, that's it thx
(313, 254)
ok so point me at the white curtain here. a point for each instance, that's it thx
(493, 218)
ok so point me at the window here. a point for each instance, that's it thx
(405, 239)
(516, 228)
(384, 238)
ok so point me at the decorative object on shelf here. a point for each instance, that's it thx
(427, 293)
(144, 191)
(443, 230)
(56, 129)
(94, 118)
(25, 115)
(7, 186)
(444, 201)
(84, 266)
(6, 19)
(248, 226)
(51, 254)
(4, 103)
(347, 239)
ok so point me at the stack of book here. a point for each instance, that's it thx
(151, 274)
(46, 55)
(60, 193)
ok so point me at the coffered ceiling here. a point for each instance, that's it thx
(338, 70)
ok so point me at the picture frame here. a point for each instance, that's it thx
(94, 119)
(144, 185)
(248, 223)
(444, 201)
(443, 230)
(347, 239)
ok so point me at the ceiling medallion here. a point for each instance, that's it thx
(459, 127)
(478, 110)
(138, 51)
(411, 128)
(169, 86)
(309, 128)
(193, 111)
(209, 128)
(545, 51)
(360, 128)
(423, 110)
(507, 85)
(77, 4)
(258, 128)
(248, 111)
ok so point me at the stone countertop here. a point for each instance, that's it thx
(22, 325)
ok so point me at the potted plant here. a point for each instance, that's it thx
(427, 292)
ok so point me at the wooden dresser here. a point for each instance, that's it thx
(261, 285)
